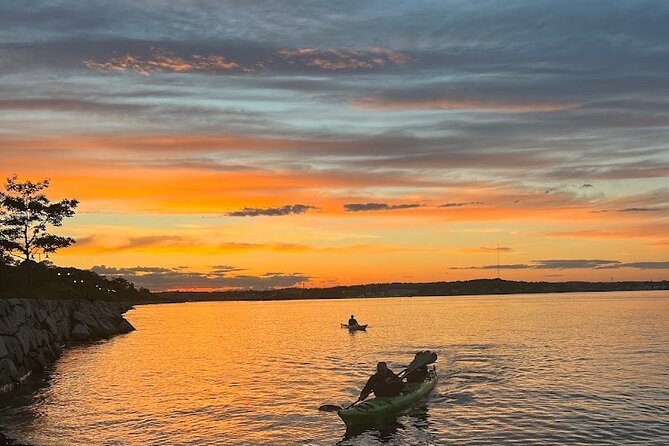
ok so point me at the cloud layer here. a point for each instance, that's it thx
(367, 207)
(576, 264)
(416, 130)
(273, 212)
(165, 279)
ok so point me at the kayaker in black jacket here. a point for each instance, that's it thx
(383, 383)
(418, 375)
(352, 322)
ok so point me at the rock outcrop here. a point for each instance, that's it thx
(33, 332)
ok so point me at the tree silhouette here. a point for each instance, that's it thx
(25, 216)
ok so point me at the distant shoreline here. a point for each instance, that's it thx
(477, 287)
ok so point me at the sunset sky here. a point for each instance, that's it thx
(218, 144)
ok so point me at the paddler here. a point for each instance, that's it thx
(352, 322)
(383, 383)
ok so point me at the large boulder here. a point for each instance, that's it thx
(26, 338)
(19, 314)
(124, 327)
(4, 351)
(8, 324)
(8, 372)
(83, 317)
(81, 332)
(42, 315)
(14, 348)
(103, 330)
(51, 324)
(37, 360)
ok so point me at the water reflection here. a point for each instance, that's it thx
(387, 430)
(545, 370)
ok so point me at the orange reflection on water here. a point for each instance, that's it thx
(513, 369)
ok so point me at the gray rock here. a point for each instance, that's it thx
(51, 324)
(37, 360)
(81, 332)
(8, 372)
(8, 325)
(103, 330)
(23, 371)
(124, 327)
(25, 336)
(19, 314)
(42, 315)
(4, 351)
(14, 349)
(34, 332)
(83, 316)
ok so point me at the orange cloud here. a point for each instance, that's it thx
(166, 244)
(163, 61)
(324, 59)
(178, 245)
(658, 230)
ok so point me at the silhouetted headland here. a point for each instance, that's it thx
(401, 289)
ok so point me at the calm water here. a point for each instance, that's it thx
(549, 369)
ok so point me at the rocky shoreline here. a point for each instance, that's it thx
(33, 333)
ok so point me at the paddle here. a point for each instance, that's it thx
(422, 358)
(334, 407)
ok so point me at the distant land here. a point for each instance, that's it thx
(458, 288)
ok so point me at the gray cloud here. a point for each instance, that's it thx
(572, 264)
(445, 74)
(112, 271)
(646, 265)
(161, 279)
(505, 266)
(365, 207)
(278, 211)
(642, 210)
(575, 264)
(222, 269)
(460, 204)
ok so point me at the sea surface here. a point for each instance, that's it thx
(579, 368)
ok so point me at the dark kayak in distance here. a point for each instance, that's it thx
(355, 327)
(386, 406)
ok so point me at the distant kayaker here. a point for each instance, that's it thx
(352, 322)
(383, 383)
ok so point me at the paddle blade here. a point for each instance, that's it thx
(329, 408)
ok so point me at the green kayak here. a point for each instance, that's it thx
(355, 327)
(376, 408)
